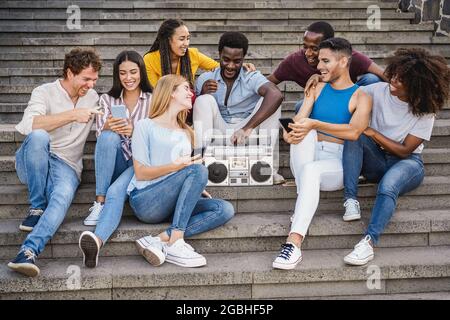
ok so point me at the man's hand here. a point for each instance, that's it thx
(210, 86)
(312, 83)
(240, 136)
(299, 131)
(370, 132)
(83, 115)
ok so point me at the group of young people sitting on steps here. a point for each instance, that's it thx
(355, 119)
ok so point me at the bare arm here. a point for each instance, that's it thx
(378, 71)
(55, 121)
(271, 102)
(273, 79)
(401, 150)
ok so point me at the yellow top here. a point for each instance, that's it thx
(198, 60)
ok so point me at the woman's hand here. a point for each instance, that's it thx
(250, 67)
(311, 84)
(186, 161)
(206, 194)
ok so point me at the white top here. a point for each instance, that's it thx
(154, 145)
(66, 142)
(393, 118)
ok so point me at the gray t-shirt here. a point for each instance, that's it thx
(393, 118)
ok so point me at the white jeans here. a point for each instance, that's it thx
(316, 166)
(208, 120)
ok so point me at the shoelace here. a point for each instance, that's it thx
(351, 201)
(30, 255)
(286, 251)
(363, 242)
(95, 207)
(36, 212)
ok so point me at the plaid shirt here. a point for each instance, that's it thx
(140, 111)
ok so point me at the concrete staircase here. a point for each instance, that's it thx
(412, 260)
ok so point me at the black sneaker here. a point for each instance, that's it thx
(90, 246)
(24, 263)
(31, 220)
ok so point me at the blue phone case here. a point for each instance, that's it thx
(119, 111)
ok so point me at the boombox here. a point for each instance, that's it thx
(239, 165)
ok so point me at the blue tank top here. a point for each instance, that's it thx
(332, 105)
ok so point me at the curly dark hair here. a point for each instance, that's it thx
(165, 32)
(78, 59)
(425, 76)
(235, 40)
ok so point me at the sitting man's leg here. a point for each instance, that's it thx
(207, 120)
(64, 182)
(32, 163)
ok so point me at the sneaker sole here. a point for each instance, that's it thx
(187, 264)
(354, 262)
(152, 256)
(352, 217)
(27, 269)
(25, 228)
(90, 251)
(90, 223)
(283, 266)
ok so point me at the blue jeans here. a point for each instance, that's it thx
(112, 179)
(364, 80)
(395, 176)
(52, 184)
(179, 197)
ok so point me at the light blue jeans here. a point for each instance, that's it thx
(363, 80)
(395, 176)
(112, 179)
(178, 197)
(51, 182)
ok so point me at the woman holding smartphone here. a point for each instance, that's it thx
(124, 105)
(168, 183)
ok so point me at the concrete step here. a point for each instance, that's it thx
(356, 38)
(247, 233)
(432, 194)
(147, 14)
(444, 295)
(138, 5)
(150, 30)
(236, 276)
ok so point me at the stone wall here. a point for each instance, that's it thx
(430, 10)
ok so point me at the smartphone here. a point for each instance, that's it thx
(119, 111)
(200, 151)
(285, 122)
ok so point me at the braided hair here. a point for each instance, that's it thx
(426, 78)
(165, 32)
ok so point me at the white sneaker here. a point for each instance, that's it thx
(94, 215)
(362, 253)
(352, 210)
(290, 255)
(278, 178)
(182, 254)
(152, 249)
(90, 245)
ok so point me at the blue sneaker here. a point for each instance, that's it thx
(24, 263)
(31, 220)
